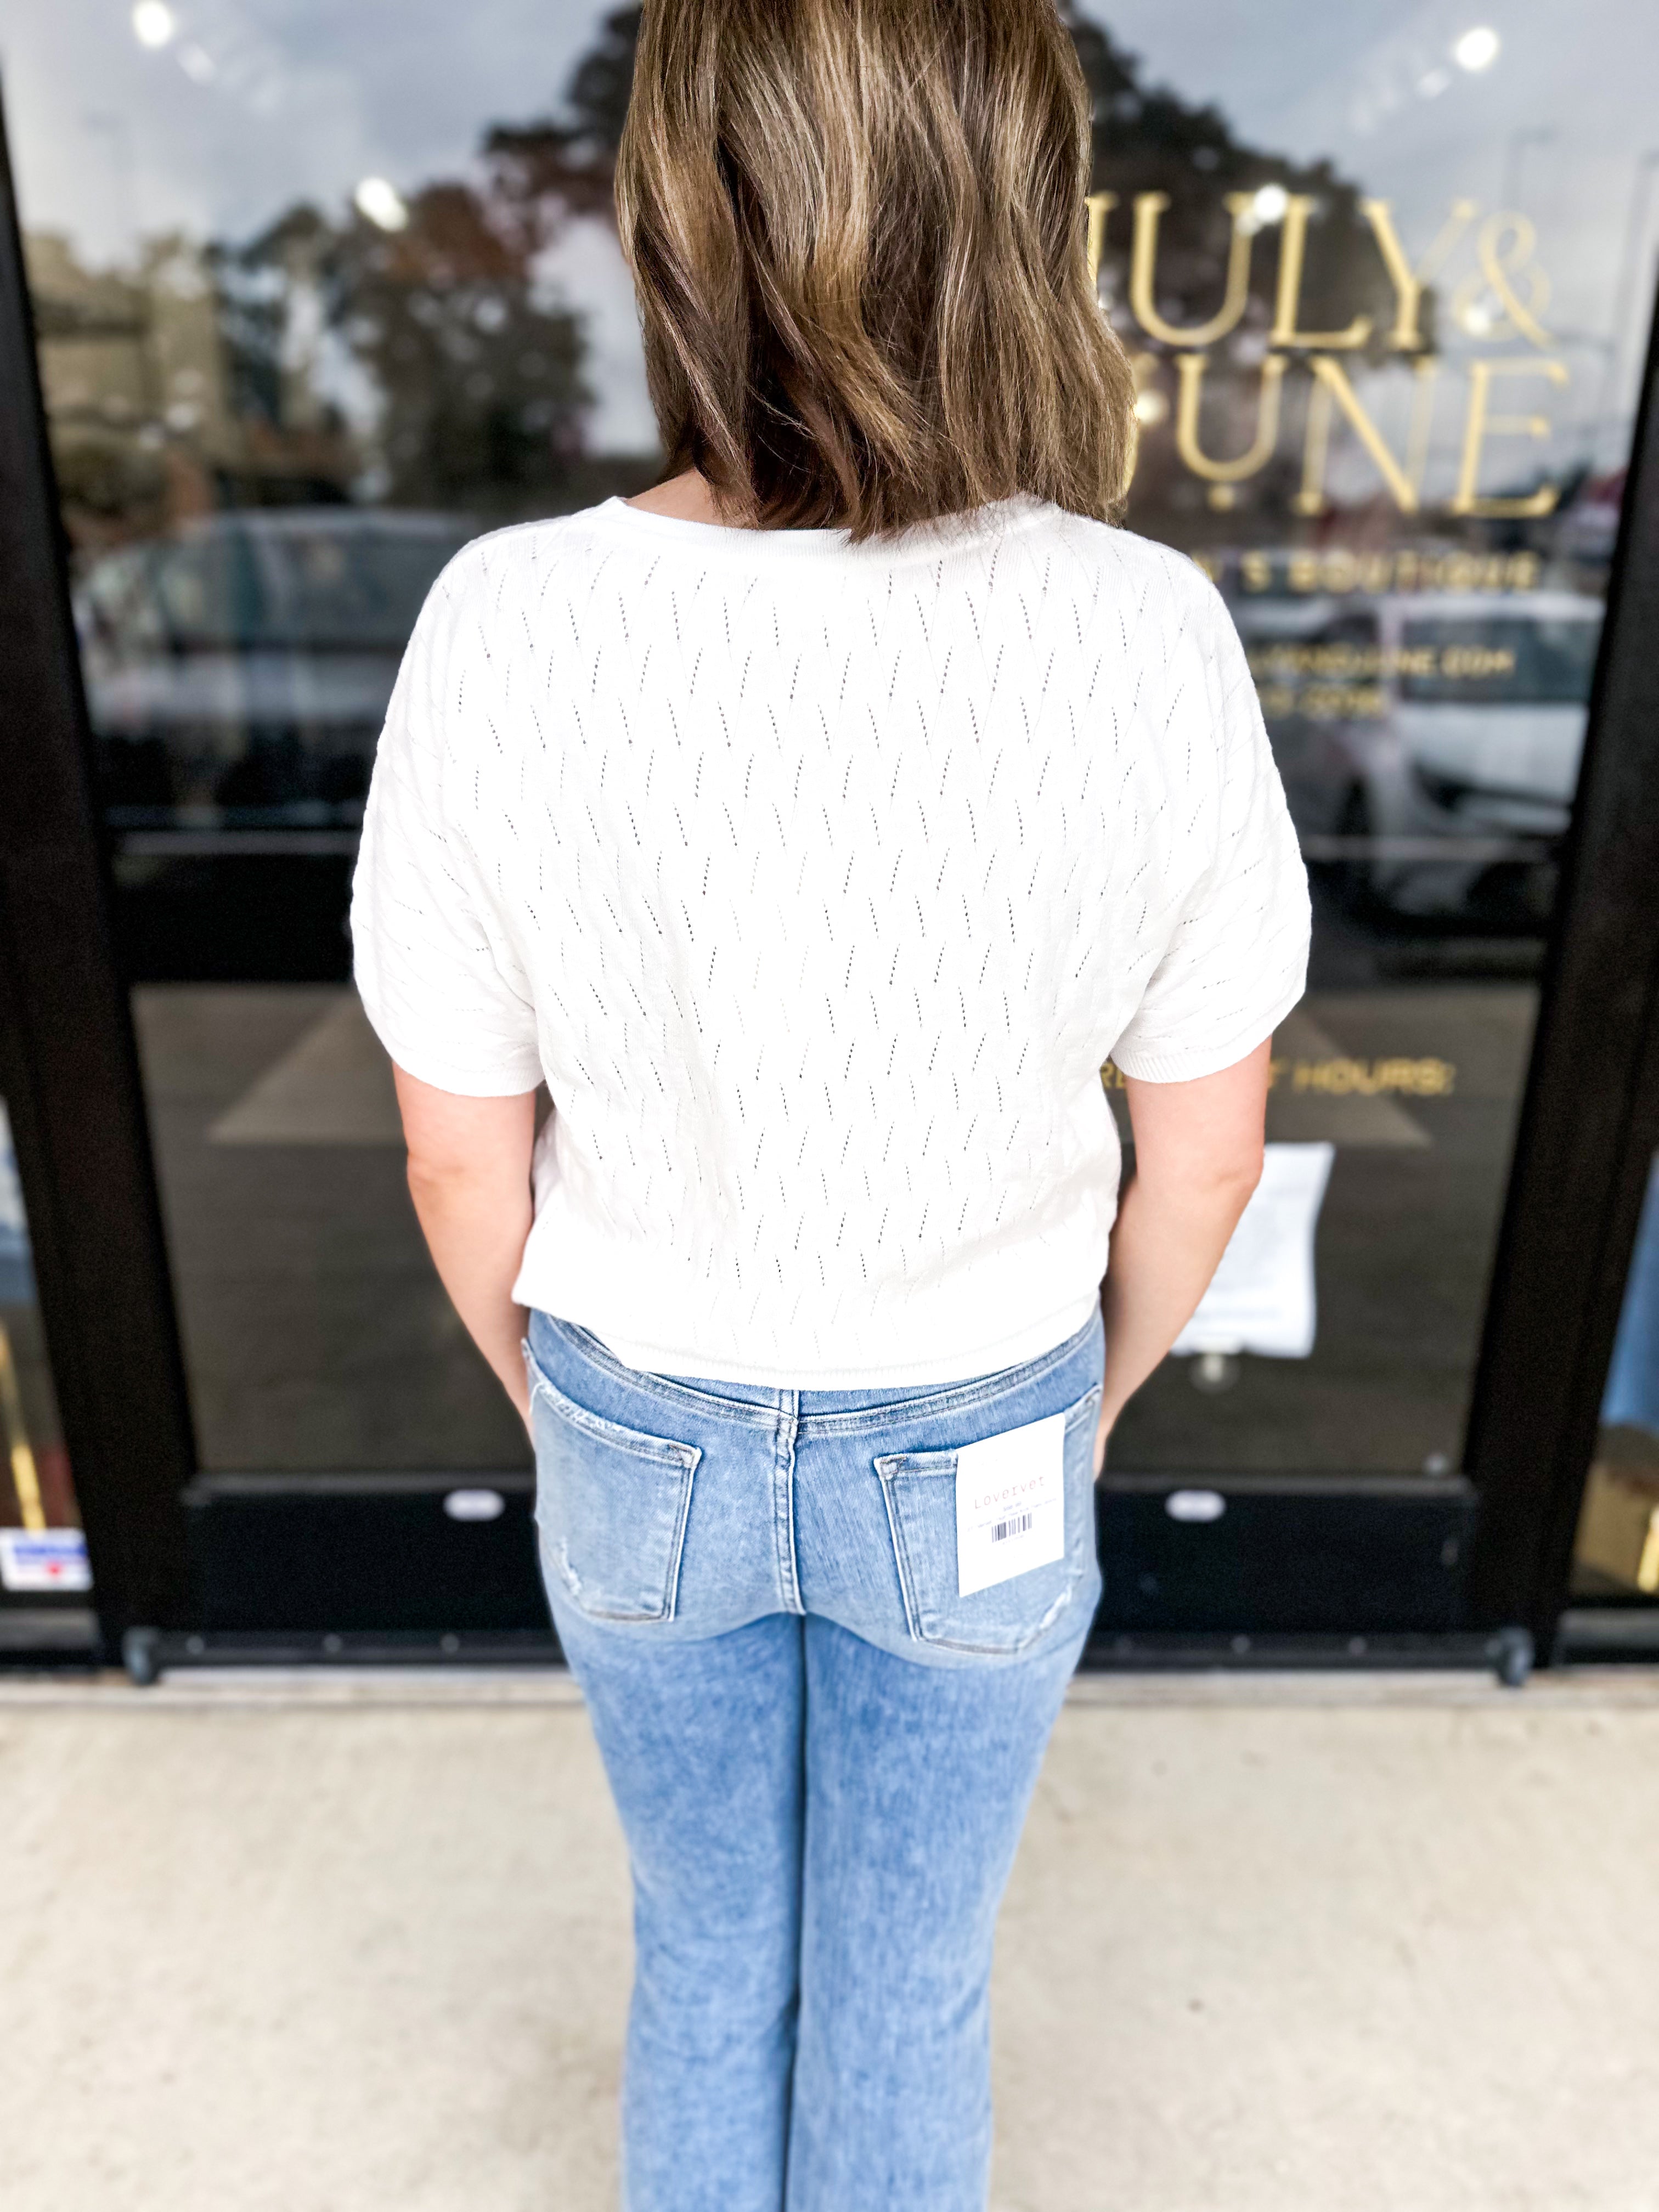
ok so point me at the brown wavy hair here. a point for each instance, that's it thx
(856, 230)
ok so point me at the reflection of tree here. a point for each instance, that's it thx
(480, 379)
(569, 163)
(475, 376)
(250, 287)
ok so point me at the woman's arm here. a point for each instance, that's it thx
(1197, 1157)
(469, 1176)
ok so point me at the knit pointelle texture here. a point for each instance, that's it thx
(817, 882)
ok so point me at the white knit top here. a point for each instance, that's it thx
(817, 882)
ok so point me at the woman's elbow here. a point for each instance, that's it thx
(1212, 1177)
(435, 1177)
(1243, 1172)
(1227, 1185)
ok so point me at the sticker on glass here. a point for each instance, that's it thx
(43, 1559)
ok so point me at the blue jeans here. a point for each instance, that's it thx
(821, 1753)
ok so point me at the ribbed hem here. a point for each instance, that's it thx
(1188, 1067)
(412, 1056)
(965, 1362)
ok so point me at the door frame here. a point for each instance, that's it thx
(69, 1061)
(1589, 1123)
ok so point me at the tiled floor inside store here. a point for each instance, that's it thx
(1316, 1945)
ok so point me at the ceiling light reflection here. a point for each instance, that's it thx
(153, 23)
(382, 202)
(1477, 48)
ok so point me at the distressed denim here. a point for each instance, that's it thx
(822, 1756)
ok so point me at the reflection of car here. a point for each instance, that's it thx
(1432, 743)
(237, 673)
(1586, 528)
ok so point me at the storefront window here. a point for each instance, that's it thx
(321, 296)
(1386, 287)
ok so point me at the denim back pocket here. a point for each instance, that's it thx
(611, 1505)
(921, 1490)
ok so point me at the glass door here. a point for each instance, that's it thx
(1386, 284)
(306, 324)
(320, 296)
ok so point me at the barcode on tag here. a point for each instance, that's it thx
(1011, 1503)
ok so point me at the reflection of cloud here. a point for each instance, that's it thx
(304, 100)
(229, 53)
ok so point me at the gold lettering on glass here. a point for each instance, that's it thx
(1222, 475)
(1427, 1078)
(1408, 283)
(1491, 282)
(1100, 205)
(1142, 272)
(1481, 423)
(1292, 249)
(1331, 386)
(1339, 569)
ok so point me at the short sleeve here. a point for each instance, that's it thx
(433, 958)
(1237, 962)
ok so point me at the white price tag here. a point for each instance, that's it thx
(1011, 1503)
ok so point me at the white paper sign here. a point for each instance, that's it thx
(1011, 1503)
(43, 1559)
(1261, 1298)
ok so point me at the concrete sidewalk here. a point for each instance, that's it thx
(1334, 1945)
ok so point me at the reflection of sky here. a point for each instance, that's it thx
(1371, 85)
(292, 100)
(306, 97)
(262, 101)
